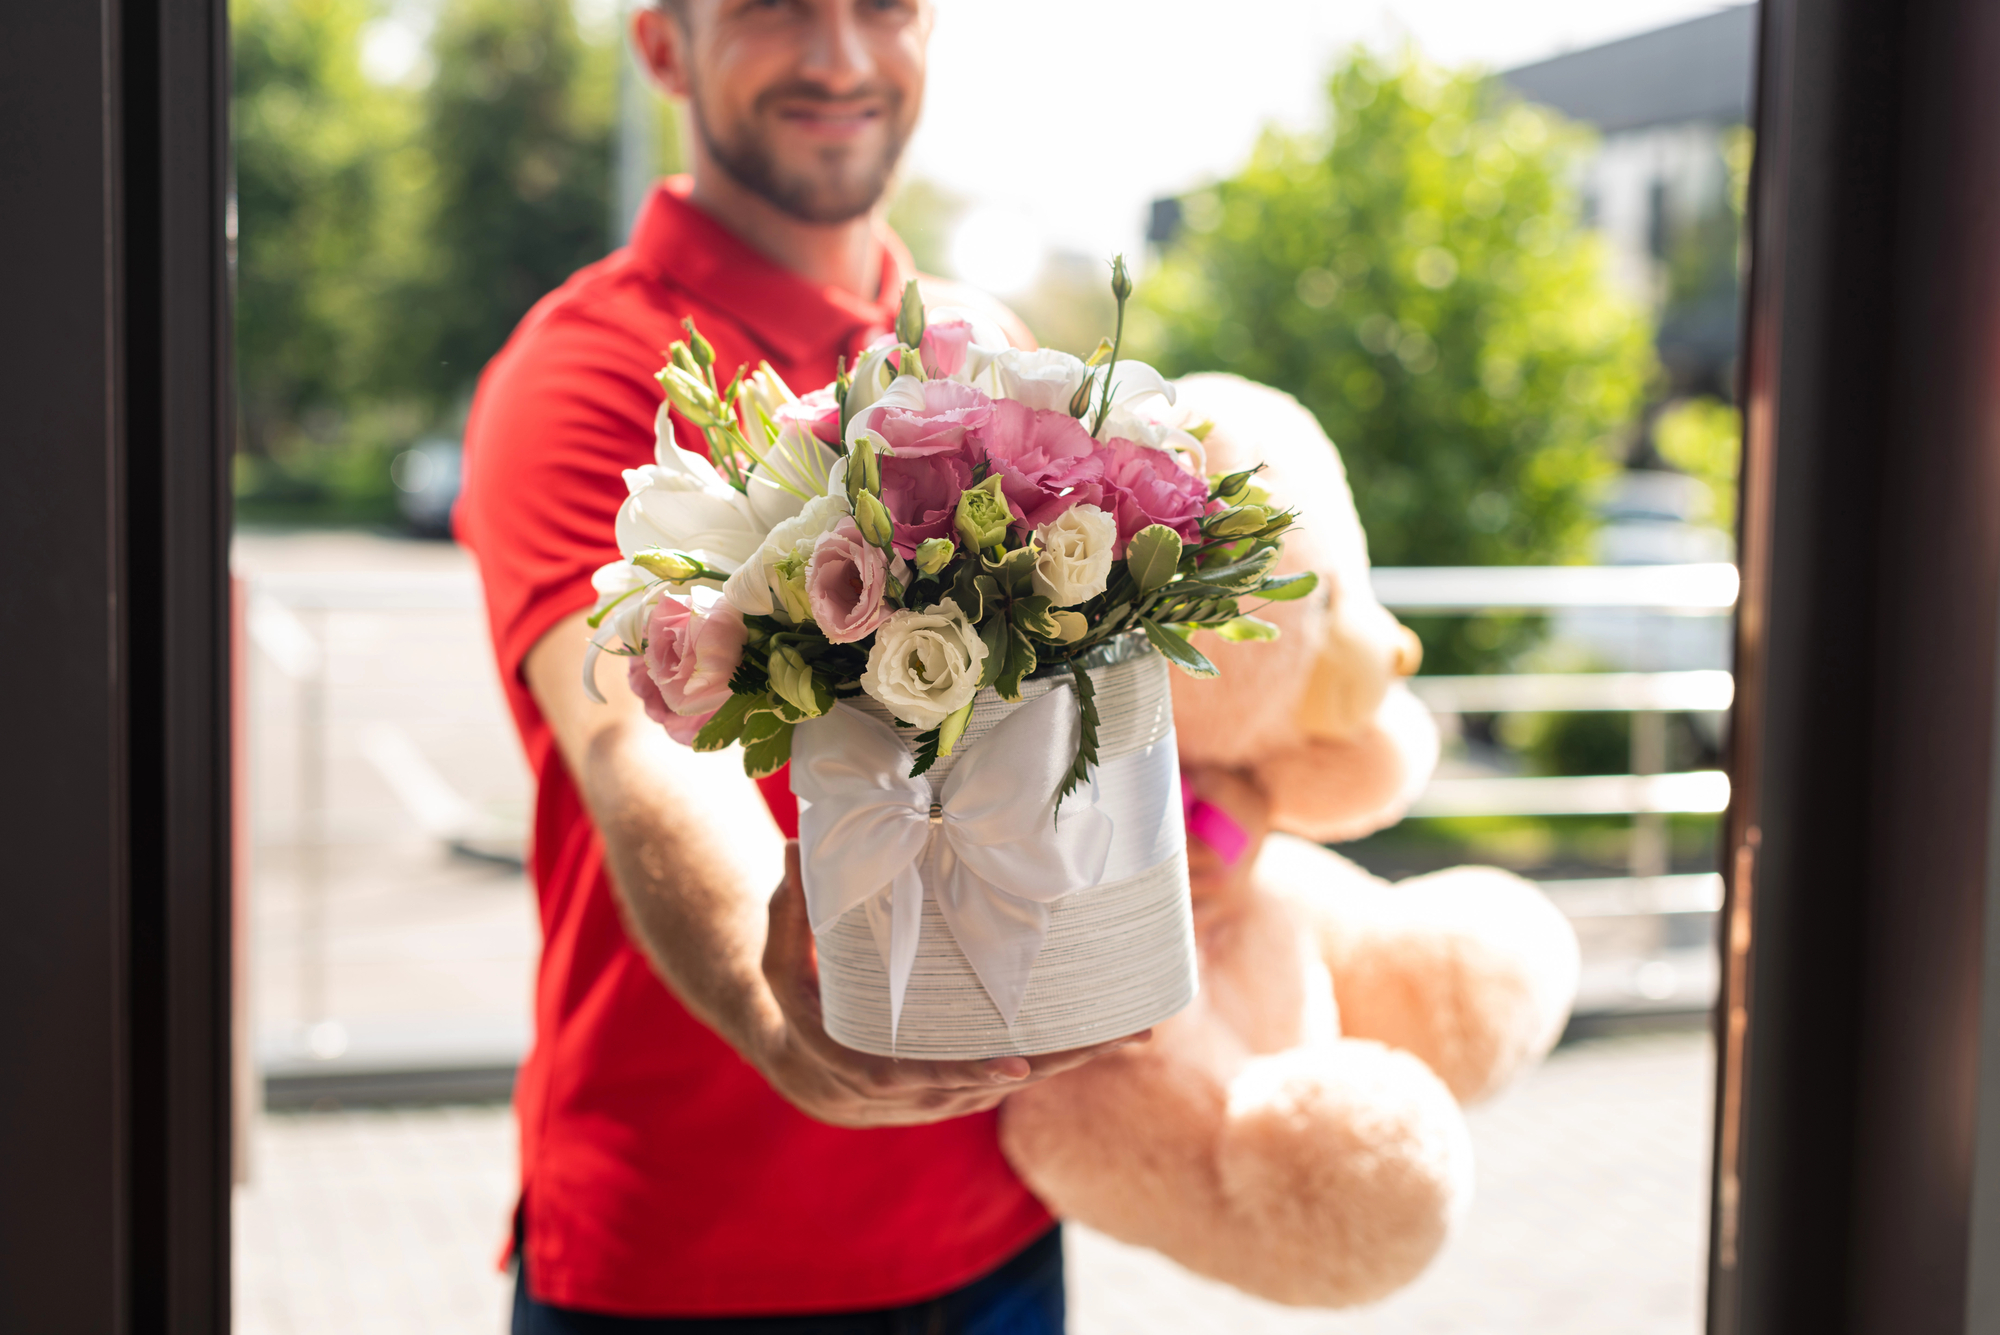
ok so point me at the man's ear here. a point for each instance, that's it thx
(661, 44)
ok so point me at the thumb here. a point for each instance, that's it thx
(789, 957)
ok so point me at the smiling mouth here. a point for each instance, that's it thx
(833, 121)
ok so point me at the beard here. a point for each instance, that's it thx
(840, 185)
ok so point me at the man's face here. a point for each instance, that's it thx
(807, 103)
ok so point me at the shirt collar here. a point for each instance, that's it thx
(793, 316)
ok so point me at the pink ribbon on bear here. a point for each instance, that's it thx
(1214, 827)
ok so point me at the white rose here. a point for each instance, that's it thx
(771, 581)
(925, 665)
(1075, 561)
(681, 502)
(1044, 378)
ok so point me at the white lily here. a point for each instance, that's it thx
(871, 375)
(681, 502)
(761, 585)
(625, 594)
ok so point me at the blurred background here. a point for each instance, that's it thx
(1494, 248)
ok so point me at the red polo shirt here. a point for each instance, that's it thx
(660, 1174)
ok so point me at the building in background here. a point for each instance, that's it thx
(1673, 107)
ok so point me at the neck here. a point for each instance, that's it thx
(843, 255)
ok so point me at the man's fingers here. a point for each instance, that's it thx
(1055, 1063)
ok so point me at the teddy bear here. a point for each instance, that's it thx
(1297, 1130)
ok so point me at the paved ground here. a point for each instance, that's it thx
(1590, 1219)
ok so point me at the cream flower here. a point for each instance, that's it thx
(925, 665)
(1075, 560)
(1044, 378)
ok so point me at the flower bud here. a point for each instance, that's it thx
(910, 319)
(983, 515)
(1121, 280)
(864, 467)
(704, 351)
(791, 680)
(1079, 402)
(872, 518)
(669, 565)
(933, 554)
(1071, 626)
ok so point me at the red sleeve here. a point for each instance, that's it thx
(560, 414)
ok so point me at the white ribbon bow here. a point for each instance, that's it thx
(995, 854)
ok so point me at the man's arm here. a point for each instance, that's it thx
(689, 842)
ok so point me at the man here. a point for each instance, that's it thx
(693, 1147)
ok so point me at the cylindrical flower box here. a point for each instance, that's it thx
(1117, 956)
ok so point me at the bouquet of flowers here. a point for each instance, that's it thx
(950, 514)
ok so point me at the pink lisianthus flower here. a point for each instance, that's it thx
(943, 348)
(681, 728)
(693, 648)
(846, 578)
(922, 495)
(1145, 486)
(950, 411)
(1046, 461)
(820, 412)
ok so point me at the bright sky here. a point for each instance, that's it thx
(1064, 117)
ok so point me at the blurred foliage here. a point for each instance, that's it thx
(1703, 437)
(1549, 847)
(923, 214)
(324, 175)
(517, 121)
(392, 235)
(1417, 274)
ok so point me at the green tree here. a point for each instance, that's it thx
(316, 146)
(1416, 273)
(517, 124)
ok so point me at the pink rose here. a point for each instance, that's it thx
(950, 411)
(943, 348)
(1146, 486)
(680, 729)
(692, 652)
(819, 411)
(845, 580)
(1046, 461)
(922, 495)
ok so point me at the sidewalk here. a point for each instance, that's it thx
(1590, 1218)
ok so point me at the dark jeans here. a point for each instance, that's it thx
(1022, 1297)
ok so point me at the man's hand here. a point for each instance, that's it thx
(847, 1088)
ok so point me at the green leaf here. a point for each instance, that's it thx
(1177, 650)
(1152, 557)
(768, 755)
(1247, 628)
(727, 725)
(927, 752)
(1034, 614)
(994, 635)
(1245, 574)
(1286, 588)
(1086, 737)
(763, 725)
(1020, 662)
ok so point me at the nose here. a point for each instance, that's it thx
(836, 54)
